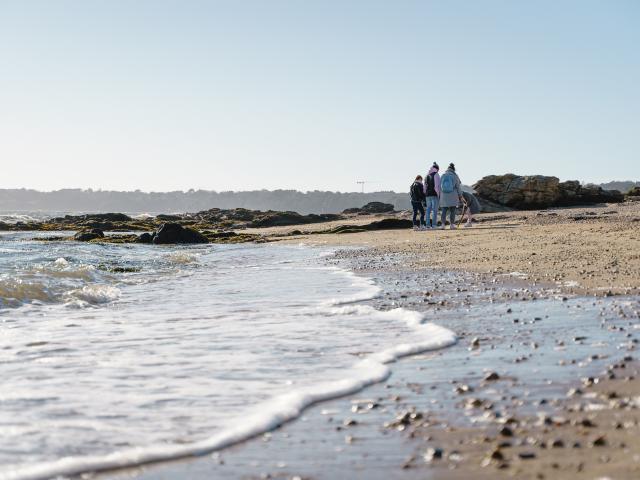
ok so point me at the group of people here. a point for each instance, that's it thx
(444, 192)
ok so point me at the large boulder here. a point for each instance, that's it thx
(519, 192)
(86, 235)
(538, 191)
(170, 233)
(145, 237)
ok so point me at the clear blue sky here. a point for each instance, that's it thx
(164, 95)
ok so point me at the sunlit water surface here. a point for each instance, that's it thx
(105, 347)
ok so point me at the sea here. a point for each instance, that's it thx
(119, 355)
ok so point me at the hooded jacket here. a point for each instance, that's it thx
(416, 191)
(451, 199)
(436, 183)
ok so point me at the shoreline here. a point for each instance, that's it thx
(395, 430)
(582, 251)
(393, 420)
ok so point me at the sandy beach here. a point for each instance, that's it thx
(543, 382)
(593, 250)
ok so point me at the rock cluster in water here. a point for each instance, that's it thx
(172, 233)
(212, 226)
(538, 191)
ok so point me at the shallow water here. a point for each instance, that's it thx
(175, 350)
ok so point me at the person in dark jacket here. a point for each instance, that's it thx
(416, 192)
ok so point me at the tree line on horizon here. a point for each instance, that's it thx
(89, 201)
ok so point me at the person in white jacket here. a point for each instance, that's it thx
(450, 195)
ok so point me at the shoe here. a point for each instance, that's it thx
(452, 227)
(442, 227)
(468, 225)
(416, 228)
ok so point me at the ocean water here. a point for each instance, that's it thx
(116, 355)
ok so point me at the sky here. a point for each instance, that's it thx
(162, 95)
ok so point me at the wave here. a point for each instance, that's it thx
(53, 282)
(182, 258)
(14, 292)
(18, 217)
(94, 294)
(61, 268)
(369, 290)
(267, 415)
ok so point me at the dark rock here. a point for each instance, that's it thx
(492, 376)
(280, 219)
(94, 217)
(170, 233)
(526, 455)
(433, 454)
(371, 207)
(86, 235)
(506, 432)
(496, 455)
(169, 218)
(633, 194)
(384, 224)
(389, 224)
(146, 237)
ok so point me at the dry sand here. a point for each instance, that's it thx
(584, 250)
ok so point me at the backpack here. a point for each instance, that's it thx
(415, 192)
(431, 184)
(448, 183)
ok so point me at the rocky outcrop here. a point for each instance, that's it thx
(370, 208)
(241, 217)
(87, 235)
(633, 194)
(95, 217)
(171, 233)
(538, 191)
(384, 224)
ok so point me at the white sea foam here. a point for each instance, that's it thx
(368, 289)
(94, 294)
(182, 257)
(272, 413)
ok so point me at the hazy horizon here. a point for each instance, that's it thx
(244, 95)
(355, 190)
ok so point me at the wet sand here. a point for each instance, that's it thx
(542, 384)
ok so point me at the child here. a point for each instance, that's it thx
(416, 192)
